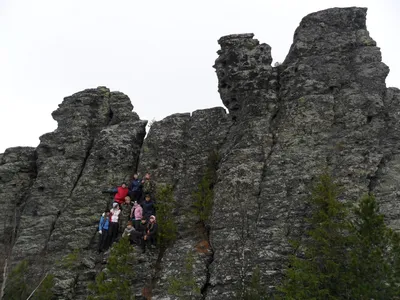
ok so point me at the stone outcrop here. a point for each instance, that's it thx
(326, 107)
(176, 151)
(96, 145)
(17, 173)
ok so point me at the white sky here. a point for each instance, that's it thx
(160, 53)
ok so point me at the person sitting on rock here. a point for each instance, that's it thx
(136, 214)
(135, 188)
(129, 232)
(138, 234)
(148, 186)
(148, 207)
(103, 231)
(114, 224)
(151, 234)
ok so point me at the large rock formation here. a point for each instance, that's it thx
(17, 173)
(325, 107)
(96, 145)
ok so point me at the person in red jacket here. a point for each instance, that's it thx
(121, 192)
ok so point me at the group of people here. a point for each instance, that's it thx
(133, 205)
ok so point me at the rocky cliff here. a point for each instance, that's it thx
(325, 107)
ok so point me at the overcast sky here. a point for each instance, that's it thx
(159, 53)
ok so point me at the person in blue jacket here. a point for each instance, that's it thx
(135, 188)
(103, 231)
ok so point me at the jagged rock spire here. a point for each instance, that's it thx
(245, 75)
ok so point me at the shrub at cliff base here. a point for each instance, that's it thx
(184, 284)
(254, 289)
(346, 254)
(17, 286)
(115, 282)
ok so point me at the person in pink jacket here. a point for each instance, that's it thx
(136, 214)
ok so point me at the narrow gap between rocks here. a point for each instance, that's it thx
(207, 228)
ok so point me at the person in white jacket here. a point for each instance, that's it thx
(114, 224)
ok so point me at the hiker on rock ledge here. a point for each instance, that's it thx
(149, 187)
(120, 193)
(103, 231)
(148, 207)
(129, 232)
(135, 188)
(149, 238)
(114, 224)
(136, 214)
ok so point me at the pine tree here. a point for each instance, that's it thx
(375, 257)
(165, 215)
(16, 285)
(319, 270)
(184, 285)
(203, 200)
(254, 289)
(344, 256)
(204, 194)
(115, 282)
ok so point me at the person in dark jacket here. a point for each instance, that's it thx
(151, 234)
(140, 232)
(135, 188)
(148, 207)
(103, 231)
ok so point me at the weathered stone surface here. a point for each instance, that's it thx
(175, 152)
(385, 182)
(96, 145)
(17, 173)
(245, 75)
(325, 107)
(330, 115)
(248, 146)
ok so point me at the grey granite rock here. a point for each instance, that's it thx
(329, 115)
(17, 173)
(95, 146)
(176, 152)
(326, 107)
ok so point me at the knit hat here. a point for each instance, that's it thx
(115, 204)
